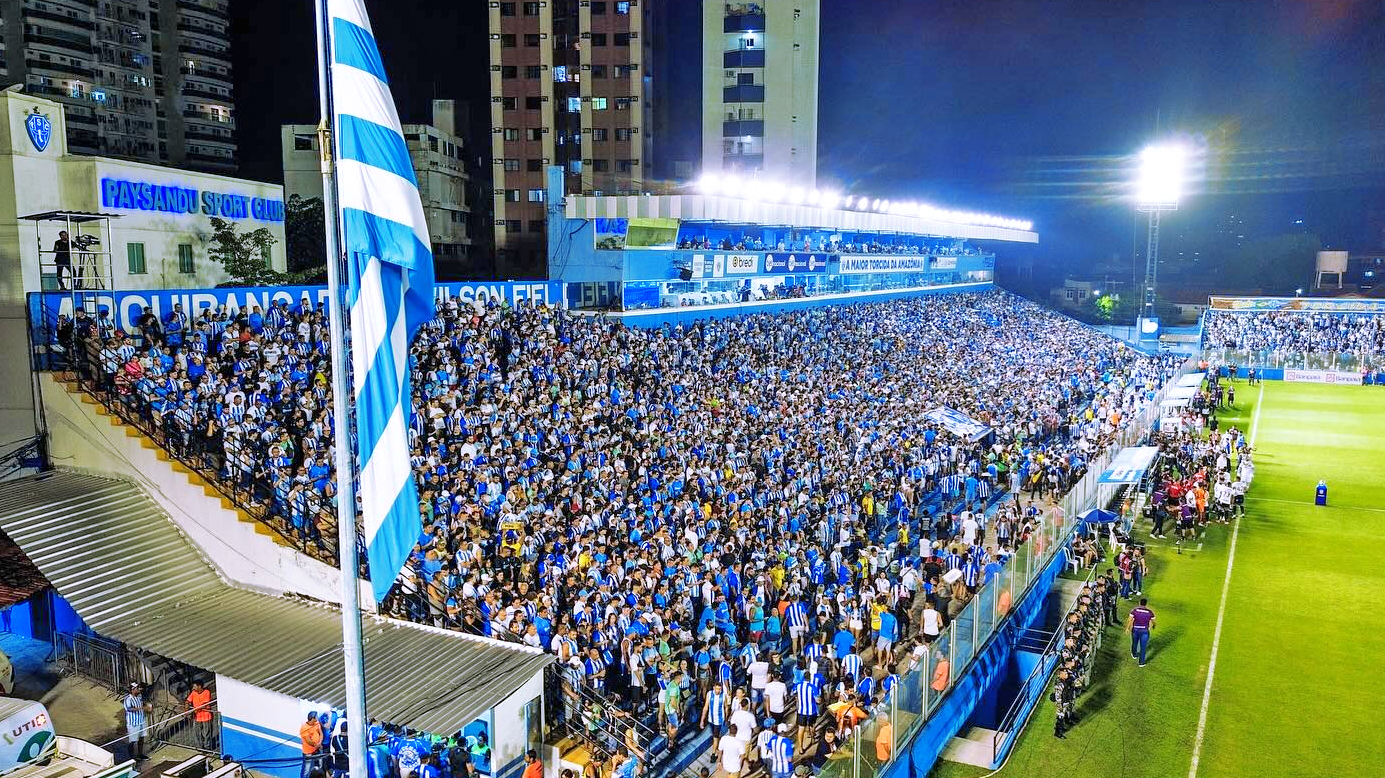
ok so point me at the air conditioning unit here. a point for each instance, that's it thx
(730, 74)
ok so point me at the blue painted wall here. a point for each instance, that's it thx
(264, 750)
(987, 670)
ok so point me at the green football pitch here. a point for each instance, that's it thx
(1290, 602)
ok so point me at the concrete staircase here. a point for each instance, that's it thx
(86, 436)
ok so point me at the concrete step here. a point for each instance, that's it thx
(975, 746)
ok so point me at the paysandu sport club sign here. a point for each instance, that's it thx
(124, 195)
(125, 308)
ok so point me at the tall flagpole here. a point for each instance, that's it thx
(341, 391)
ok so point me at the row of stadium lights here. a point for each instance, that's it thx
(770, 192)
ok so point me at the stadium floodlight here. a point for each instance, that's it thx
(1162, 172)
(829, 200)
(1163, 169)
(814, 197)
(773, 192)
(796, 195)
(709, 184)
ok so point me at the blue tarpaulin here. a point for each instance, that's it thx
(1129, 465)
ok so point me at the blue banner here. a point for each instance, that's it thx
(957, 423)
(780, 262)
(126, 307)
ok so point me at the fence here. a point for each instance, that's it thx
(1343, 362)
(94, 658)
(182, 730)
(923, 688)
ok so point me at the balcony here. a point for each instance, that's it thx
(208, 75)
(193, 91)
(32, 13)
(743, 93)
(202, 9)
(191, 49)
(743, 58)
(209, 137)
(753, 128)
(744, 22)
(71, 70)
(74, 43)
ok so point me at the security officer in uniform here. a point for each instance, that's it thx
(1063, 699)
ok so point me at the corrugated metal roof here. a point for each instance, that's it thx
(131, 575)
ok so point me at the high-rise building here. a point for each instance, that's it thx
(760, 89)
(148, 80)
(571, 85)
(439, 161)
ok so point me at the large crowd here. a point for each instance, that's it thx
(1289, 332)
(725, 523)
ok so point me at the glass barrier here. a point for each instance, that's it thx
(925, 684)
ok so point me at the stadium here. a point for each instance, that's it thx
(756, 478)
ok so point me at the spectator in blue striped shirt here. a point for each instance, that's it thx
(781, 752)
(136, 710)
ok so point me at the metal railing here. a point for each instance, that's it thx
(238, 474)
(183, 730)
(1344, 362)
(1034, 686)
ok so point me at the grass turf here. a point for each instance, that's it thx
(1296, 690)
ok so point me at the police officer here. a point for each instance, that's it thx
(1063, 699)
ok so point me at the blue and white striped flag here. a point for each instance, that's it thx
(391, 284)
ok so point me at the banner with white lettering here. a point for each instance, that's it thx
(780, 262)
(125, 308)
(884, 263)
(1322, 377)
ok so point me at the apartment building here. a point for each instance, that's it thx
(571, 85)
(760, 89)
(147, 80)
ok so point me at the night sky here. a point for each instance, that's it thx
(1016, 107)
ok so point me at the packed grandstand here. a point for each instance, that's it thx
(731, 501)
(1276, 338)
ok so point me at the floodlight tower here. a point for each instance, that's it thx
(1162, 170)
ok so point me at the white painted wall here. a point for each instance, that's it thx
(508, 730)
(81, 439)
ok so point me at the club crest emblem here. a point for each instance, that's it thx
(40, 129)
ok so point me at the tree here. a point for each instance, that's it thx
(303, 236)
(245, 255)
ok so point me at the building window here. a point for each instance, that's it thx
(507, 41)
(625, 165)
(511, 195)
(185, 258)
(623, 8)
(536, 225)
(598, 103)
(511, 133)
(534, 133)
(531, 39)
(509, 71)
(511, 166)
(432, 143)
(508, 9)
(302, 143)
(599, 133)
(598, 39)
(533, 103)
(598, 8)
(622, 39)
(535, 165)
(533, 71)
(622, 133)
(575, 167)
(598, 71)
(531, 9)
(509, 103)
(512, 225)
(622, 103)
(134, 254)
(601, 165)
(266, 256)
(574, 104)
(535, 195)
(559, 74)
